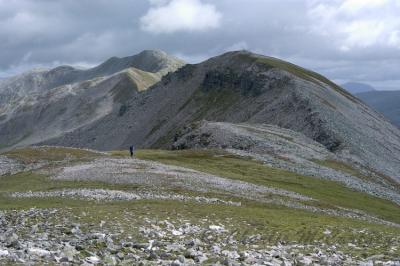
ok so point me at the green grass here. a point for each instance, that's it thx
(29, 181)
(274, 223)
(346, 168)
(328, 193)
(254, 218)
(31, 155)
(340, 166)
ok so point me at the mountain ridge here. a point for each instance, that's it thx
(234, 87)
(243, 87)
(149, 60)
(32, 113)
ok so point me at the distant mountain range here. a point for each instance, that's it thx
(386, 102)
(357, 87)
(152, 100)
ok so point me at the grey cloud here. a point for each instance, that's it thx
(51, 32)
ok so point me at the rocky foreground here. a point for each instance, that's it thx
(39, 236)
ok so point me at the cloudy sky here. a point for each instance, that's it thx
(346, 40)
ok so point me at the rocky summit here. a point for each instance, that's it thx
(242, 159)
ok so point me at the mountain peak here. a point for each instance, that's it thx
(148, 60)
(153, 53)
(157, 60)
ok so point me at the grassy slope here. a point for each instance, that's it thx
(32, 155)
(340, 166)
(275, 223)
(346, 168)
(329, 193)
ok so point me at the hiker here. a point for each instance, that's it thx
(131, 148)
